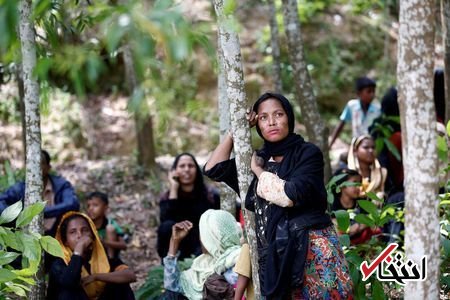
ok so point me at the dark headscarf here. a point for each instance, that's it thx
(282, 147)
(284, 261)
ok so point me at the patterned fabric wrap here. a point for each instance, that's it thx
(220, 236)
(327, 274)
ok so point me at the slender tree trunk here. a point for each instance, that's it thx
(22, 109)
(275, 45)
(143, 124)
(227, 195)
(315, 128)
(33, 175)
(418, 120)
(229, 44)
(445, 17)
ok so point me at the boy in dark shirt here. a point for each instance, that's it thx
(108, 230)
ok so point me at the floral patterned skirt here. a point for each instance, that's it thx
(327, 274)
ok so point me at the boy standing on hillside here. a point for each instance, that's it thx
(360, 112)
(108, 230)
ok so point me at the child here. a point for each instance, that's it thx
(108, 230)
(360, 112)
(244, 270)
(85, 272)
(346, 199)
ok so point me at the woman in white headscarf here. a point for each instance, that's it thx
(362, 158)
(220, 238)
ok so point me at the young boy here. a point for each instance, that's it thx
(108, 230)
(360, 112)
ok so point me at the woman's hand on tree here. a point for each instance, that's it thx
(251, 117)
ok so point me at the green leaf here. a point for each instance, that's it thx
(330, 198)
(377, 291)
(31, 247)
(11, 240)
(51, 246)
(344, 239)
(11, 212)
(363, 219)
(369, 207)
(7, 275)
(29, 213)
(27, 280)
(17, 289)
(373, 196)
(30, 271)
(7, 257)
(442, 148)
(446, 246)
(393, 149)
(229, 7)
(448, 128)
(379, 145)
(343, 220)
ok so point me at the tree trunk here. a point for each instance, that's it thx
(418, 121)
(275, 45)
(445, 17)
(229, 45)
(227, 195)
(33, 175)
(315, 127)
(22, 109)
(143, 124)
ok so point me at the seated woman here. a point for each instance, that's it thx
(211, 275)
(362, 158)
(187, 198)
(85, 272)
(346, 199)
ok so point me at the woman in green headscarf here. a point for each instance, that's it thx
(220, 236)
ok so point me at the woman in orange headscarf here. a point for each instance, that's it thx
(85, 271)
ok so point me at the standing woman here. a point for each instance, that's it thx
(299, 252)
(362, 158)
(187, 198)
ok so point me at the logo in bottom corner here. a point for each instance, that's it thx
(391, 266)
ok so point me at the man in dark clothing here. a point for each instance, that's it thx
(57, 191)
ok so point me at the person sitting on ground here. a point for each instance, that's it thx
(346, 199)
(57, 191)
(85, 272)
(187, 198)
(243, 268)
(359, 112)
(211, 274)
(108, 230)
(362, 158)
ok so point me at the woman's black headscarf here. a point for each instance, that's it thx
(282, 147)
